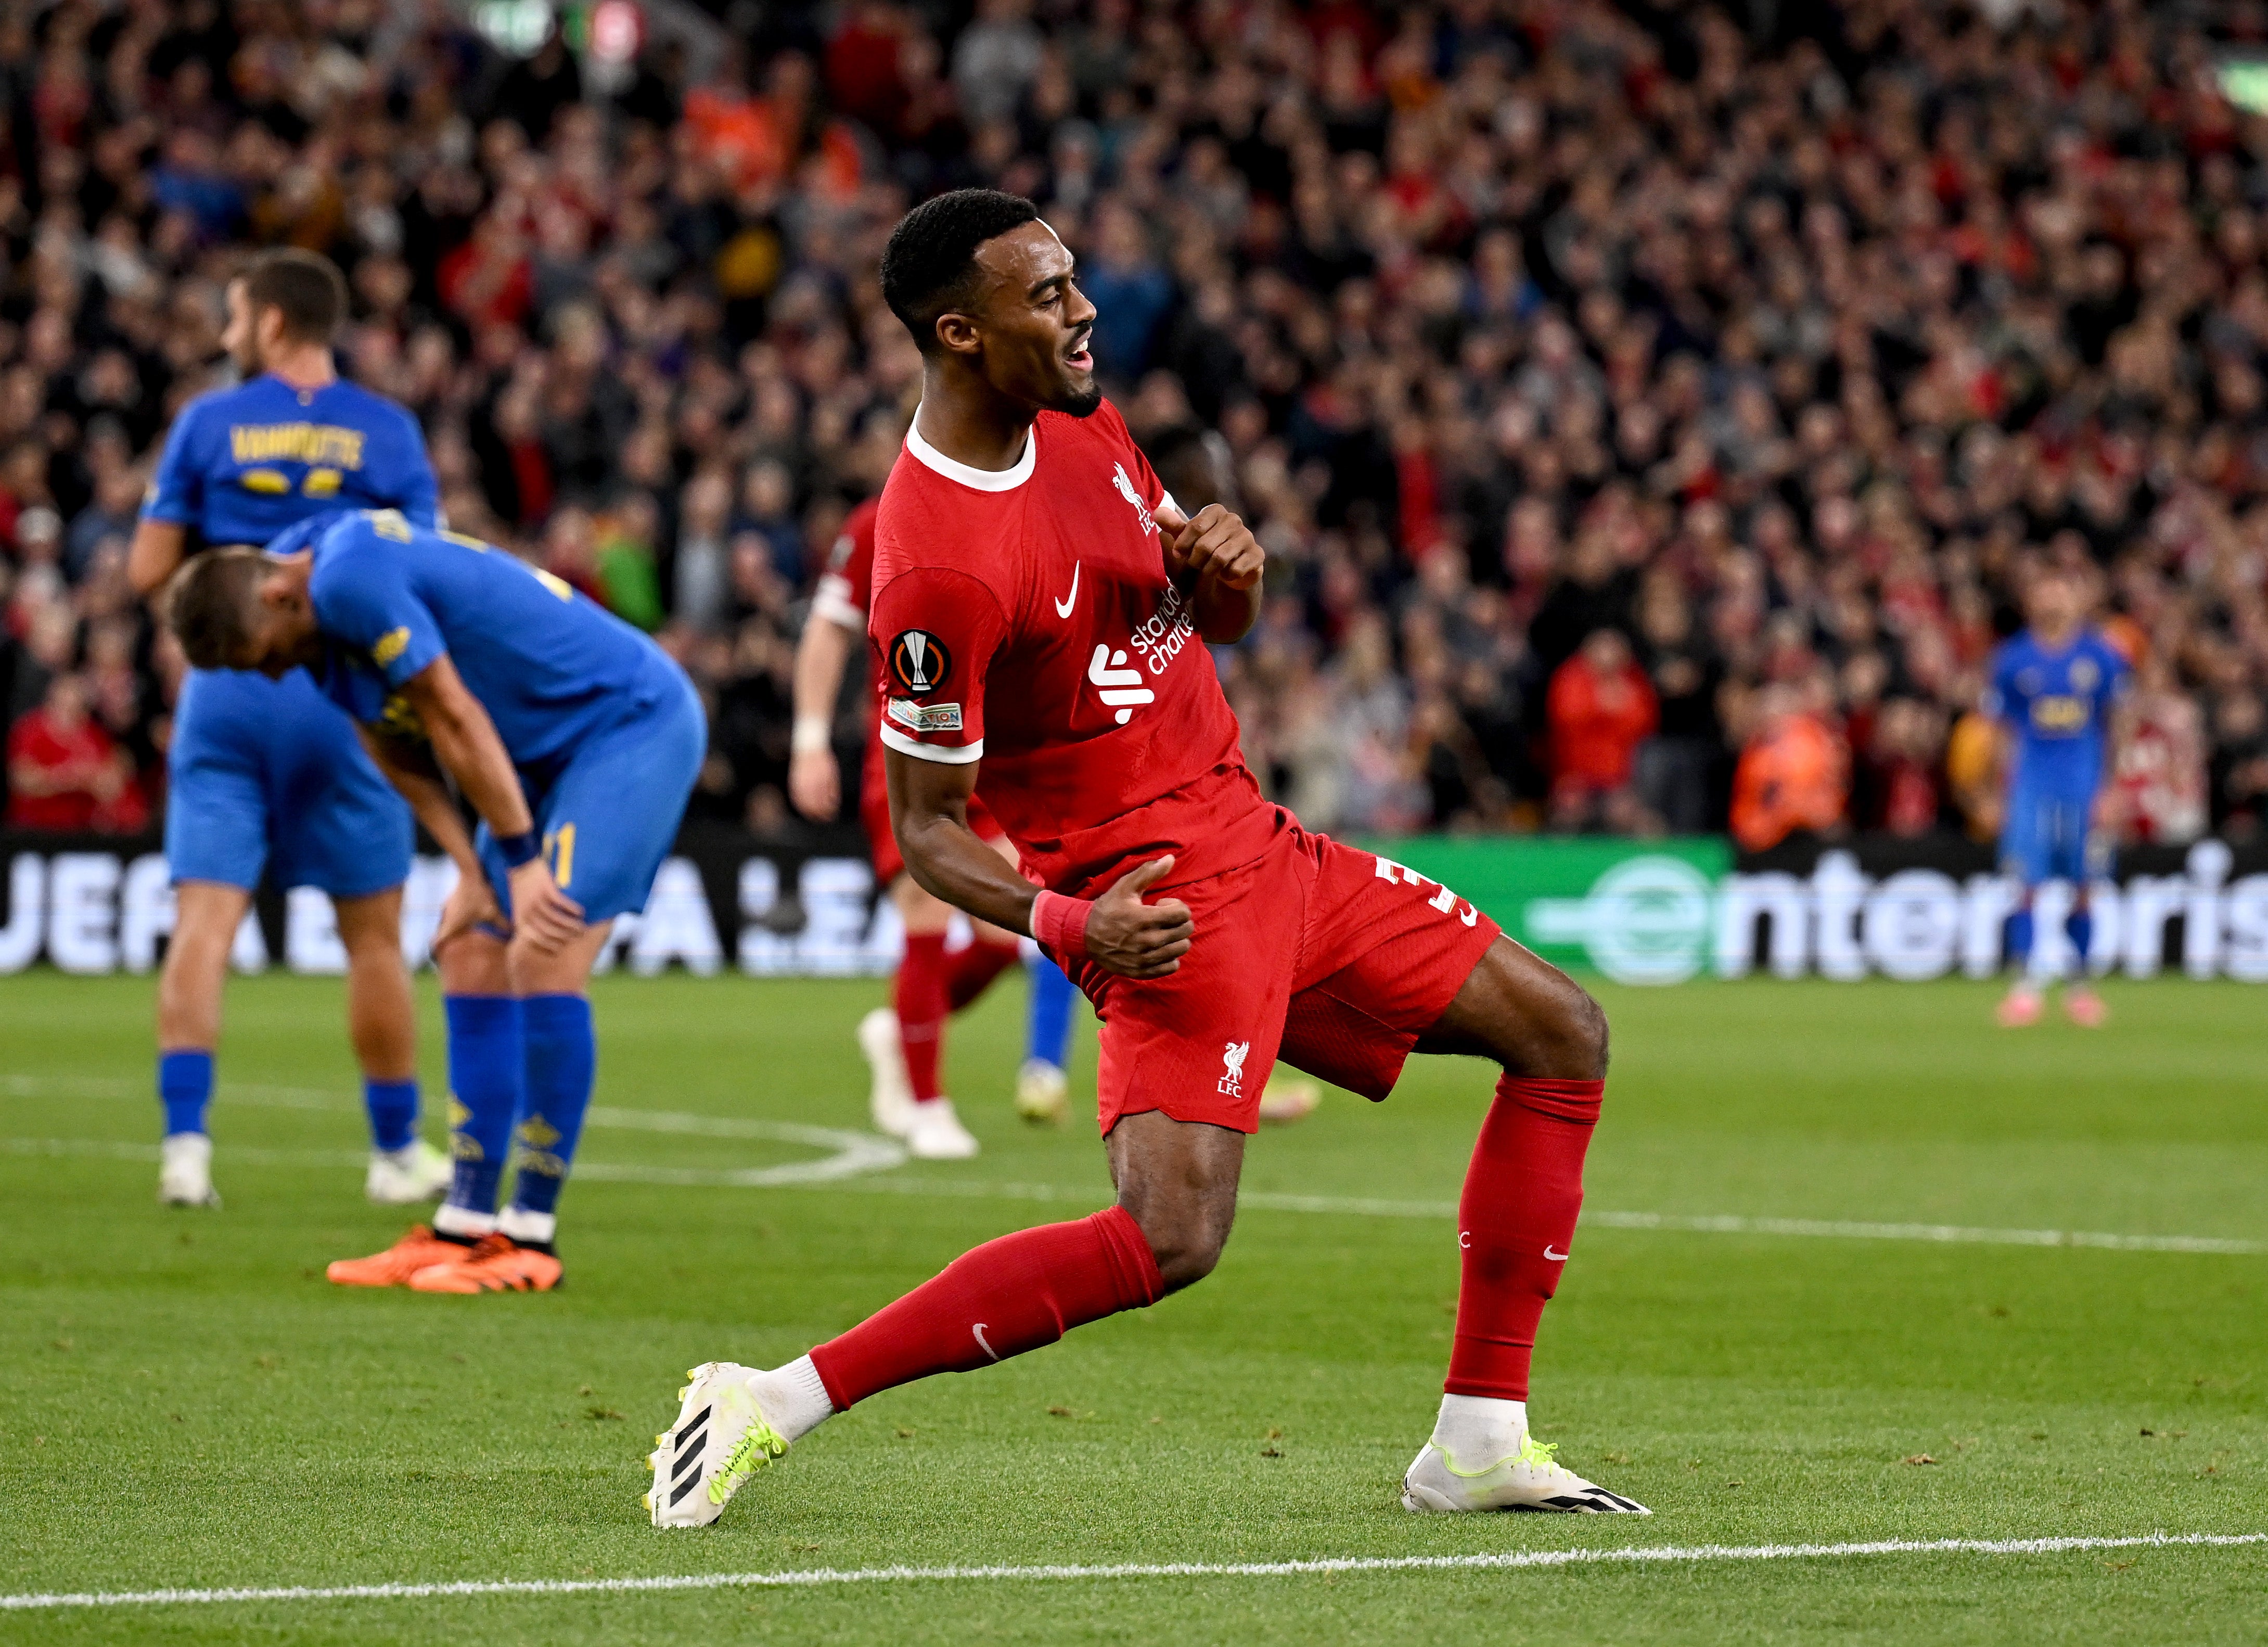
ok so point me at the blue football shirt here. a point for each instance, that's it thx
(241, 464)
(2059, 705)
(551, 667)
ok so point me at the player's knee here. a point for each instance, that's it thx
(1572, 1035)
(1186, 1249)
(1185, 1233)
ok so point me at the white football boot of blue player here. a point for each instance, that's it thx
(1042, 1094)
(185, 1171)
(890, 1097)
(402, 1177)
(1526, 1477)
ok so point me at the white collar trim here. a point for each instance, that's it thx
(979, 479)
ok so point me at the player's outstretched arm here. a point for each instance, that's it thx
(929, 811)
(813, 782)
(1215, 555)
(466, 744)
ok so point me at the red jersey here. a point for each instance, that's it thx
(846, 588)
(1023, 618)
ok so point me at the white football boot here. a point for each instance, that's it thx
(937, 1134)
(722, 1437)
(185, 1171)
(1042, 1095)
(1525, 1479)
(890, 1097)
(401, 1178)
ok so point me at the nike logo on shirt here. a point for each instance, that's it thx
(1063, 606)
(1556, 1258)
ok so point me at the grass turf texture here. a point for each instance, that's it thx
(189, 1404)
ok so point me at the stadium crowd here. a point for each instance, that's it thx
(1651, 424)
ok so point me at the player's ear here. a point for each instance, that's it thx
(957, 333)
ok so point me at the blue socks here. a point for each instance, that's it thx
(185, 1082)
(563, 1059)
(2020, 936)
(1048, 1035)
(487, 1082)
(393, 1107)
(2079, 925)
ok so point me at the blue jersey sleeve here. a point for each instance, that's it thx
(2002, 700)
(178, 493)
(363, 599)
(410, 486)
(2117, 678)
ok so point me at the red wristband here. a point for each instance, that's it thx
(1060, 922)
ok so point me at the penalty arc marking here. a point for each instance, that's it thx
(855, 1159)
(823, 1576)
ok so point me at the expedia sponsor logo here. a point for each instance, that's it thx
(926, 717)
(919, 662)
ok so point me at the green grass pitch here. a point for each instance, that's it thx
(184, 1402)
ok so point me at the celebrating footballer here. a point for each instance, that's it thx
(1038, 599)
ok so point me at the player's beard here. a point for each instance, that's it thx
(1085, 404)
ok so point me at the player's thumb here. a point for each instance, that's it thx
(1142, 877)
(1169, 518)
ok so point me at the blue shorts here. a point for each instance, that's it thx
(607, 813)
(269, 775)
(2051, 837)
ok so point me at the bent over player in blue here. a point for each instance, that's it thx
(574, 737)
(267, 775)
(2056, 690)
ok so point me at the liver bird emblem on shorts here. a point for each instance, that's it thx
(1232, 1079)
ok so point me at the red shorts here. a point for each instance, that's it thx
(874, 813)
(1322, 954)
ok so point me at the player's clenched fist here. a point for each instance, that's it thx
(1139, 940)
(1213, 543)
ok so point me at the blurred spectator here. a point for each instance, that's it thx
(1793, 775)
(65, 774)
(1675, 767)
(1901, 768)
(1783, 353)
(2239, 765)
(2158, 787)
(1973, 775)
(1600, 708)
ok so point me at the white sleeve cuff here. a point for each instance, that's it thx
(833, 602)
(944, 756)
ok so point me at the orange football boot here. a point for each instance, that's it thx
(418, 1249)
(496, 1265)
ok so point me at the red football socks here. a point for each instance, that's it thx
(998, 1300)
(968, 972)
(919, 998)
(1515, 1222)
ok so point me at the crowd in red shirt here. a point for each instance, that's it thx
(1779, 355)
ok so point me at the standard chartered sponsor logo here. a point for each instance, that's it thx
(1647, 920)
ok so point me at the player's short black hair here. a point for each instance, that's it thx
(209, 605)
(928, 267)
(306, 286)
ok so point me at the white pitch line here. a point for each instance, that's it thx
(859, 1157)
(814, 1577)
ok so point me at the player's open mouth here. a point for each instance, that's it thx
(1078, 357)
